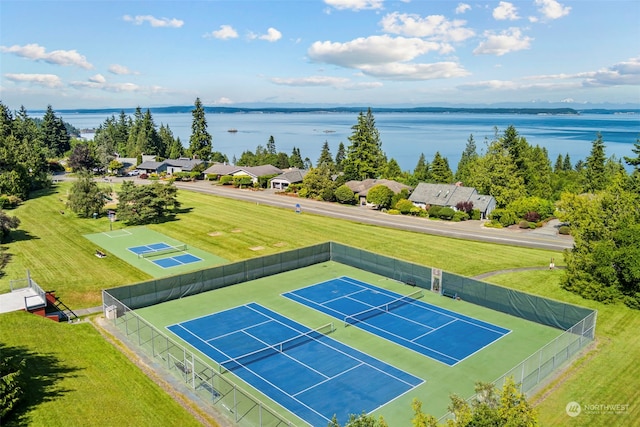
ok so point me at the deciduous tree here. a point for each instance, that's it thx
(86, 197)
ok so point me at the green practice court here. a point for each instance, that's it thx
(154, 253)
(487, 365)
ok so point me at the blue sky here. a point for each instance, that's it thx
(98, 54)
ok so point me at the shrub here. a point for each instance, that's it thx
(460, 216)
(345, 195)
(143, 176)
(419, 212)
(542, 207)
(523, 224)
(465, 206)
(394, 212)
(446, 213)
(226, 180)
(404, 206)
(475, 214)
(242, 181)
(504, 217)
(564, 230)
(434, 211)
(532, 216)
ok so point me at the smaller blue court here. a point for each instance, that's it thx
(305, 371)
(440, 334)
(157, 249)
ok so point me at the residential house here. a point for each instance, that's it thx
(291, 176)
(361, 188)
(449, 195)
(169, 166)
(219, 169)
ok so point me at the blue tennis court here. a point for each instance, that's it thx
(440, 334)
(154, 247)
(304, 370)
(174, 261)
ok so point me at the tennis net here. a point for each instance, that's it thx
(162, 251)
(254, 356)
(352, 319)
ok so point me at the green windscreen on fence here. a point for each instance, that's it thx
(537, 309)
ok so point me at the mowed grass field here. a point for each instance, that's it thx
(51, 246)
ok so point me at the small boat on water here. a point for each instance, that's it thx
(232, 130)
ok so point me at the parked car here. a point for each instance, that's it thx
(134, 172)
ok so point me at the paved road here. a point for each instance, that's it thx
(543, 238)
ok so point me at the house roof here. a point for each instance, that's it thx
(255, 171)
(149, 165)
(291, 176)
(449, 195)
(185, 163)
(220, 169)
(361, 188)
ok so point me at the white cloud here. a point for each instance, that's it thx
(98, 78)
(505, 11)
(436, 27)
(408, 71)
(507, 41)
(57, 57)
(46, 80)
(625, 73)
(120, 70)
(462, 8)
(370, 50)
(309, 81)
(551, 9)
(355, 5)
(272, 35)
(224, 33)
(223, 101)
(153, 21)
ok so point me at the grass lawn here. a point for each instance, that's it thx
(51, 246)
(77, 378)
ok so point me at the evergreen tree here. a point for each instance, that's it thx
(134, 130)
(566, 164)
(54, 134)
(392, 170)
(469, 155)
(440, 171)
(634, 161)
(421, 172)
(594, 172)
(538, 166)
(295, 160)
(365, 158)
(175, 150)
(340, 156)
(200, 142)
(558, 167)
(325, 156)
(168, 146)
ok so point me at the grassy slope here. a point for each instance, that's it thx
(75, 377)
(58, 257)
(606, 375)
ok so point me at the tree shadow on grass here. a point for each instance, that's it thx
(39, 380)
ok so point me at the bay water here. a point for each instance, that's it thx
(404, 135)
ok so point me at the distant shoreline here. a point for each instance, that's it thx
(326, 110)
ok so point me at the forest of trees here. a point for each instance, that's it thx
(597, 198)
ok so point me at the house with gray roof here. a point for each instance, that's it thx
(284, 180)
(169, 166)
(220, 169)
(361, 188)
(449, 195)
